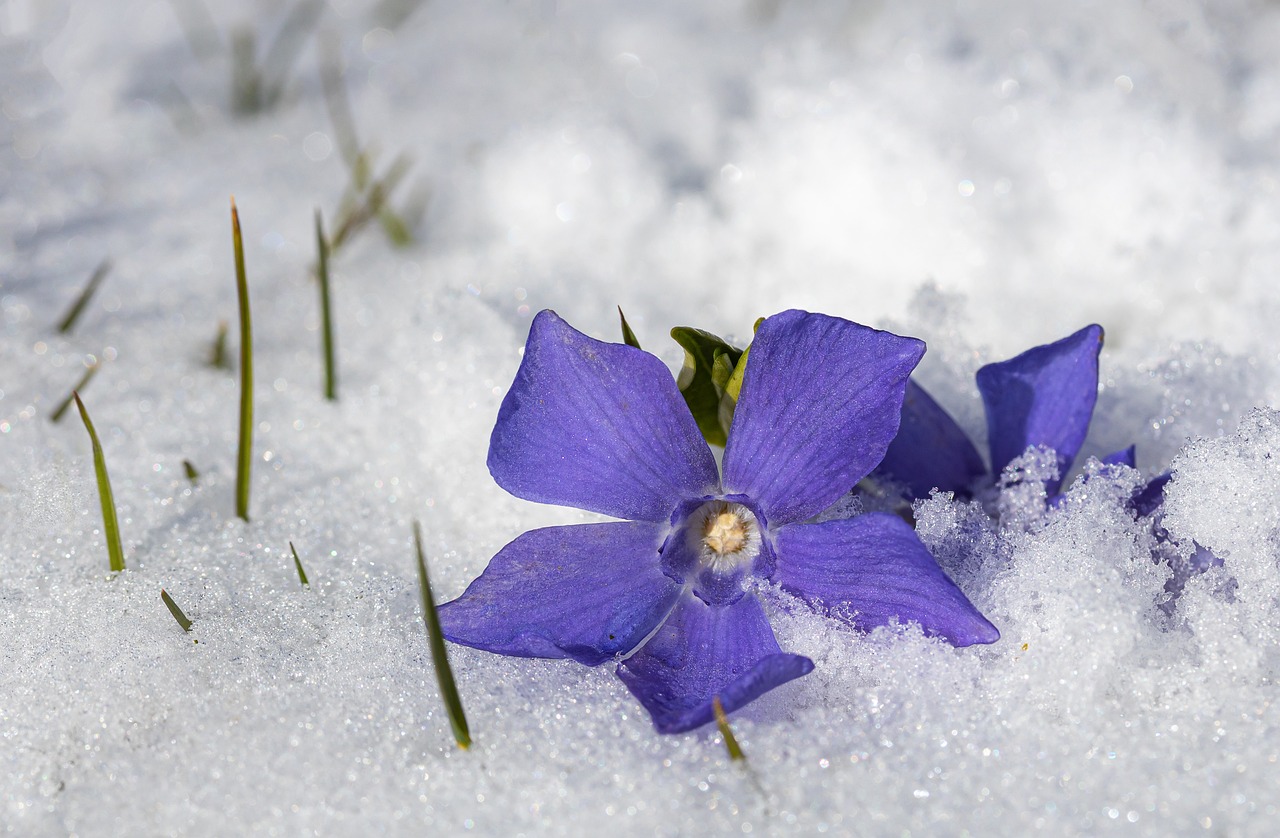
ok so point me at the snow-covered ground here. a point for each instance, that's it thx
(986, 176)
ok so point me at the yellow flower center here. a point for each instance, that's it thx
(725, 532)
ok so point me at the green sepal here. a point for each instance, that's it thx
(706, 358)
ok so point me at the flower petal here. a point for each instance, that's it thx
(1043, 397)
(1150, 497)
(586, 592)
(820, 402)
(1123, 457)
(875, 566)
(598, 426)
(703, 651)
(930, 450)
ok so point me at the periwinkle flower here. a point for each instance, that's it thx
(1044, 397)
(673, 593)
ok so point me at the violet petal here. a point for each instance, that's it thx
(1123, 457)
(598, 426)
(1043, 397)
(821, 400)
(875, 567)
(704, 651)
(930, 450)
(586, 592)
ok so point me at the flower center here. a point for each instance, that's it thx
(724, 536)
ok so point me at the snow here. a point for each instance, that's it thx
(984, 176)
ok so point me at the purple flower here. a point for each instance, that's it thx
(1043, 397)
(677, 586)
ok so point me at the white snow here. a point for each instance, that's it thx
(986, 176)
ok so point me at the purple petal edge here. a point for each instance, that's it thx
(875, 567)
(597, 426)
(1043, 397)
(704, 651)
(820, 402)
(589, 592)
(930, 450)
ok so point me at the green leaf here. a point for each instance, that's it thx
(110, 523)
(440, 655)
(628, 336)
(175, 610)
(189, 468)
(697, 379)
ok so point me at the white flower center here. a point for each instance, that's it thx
(724, 536)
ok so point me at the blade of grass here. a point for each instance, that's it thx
(244, 454)
(190, 470)
(722, 722)
(110, 523)
(218, 352)
(339, 107)
(77, 308)
(628, 336)
(297, 562)
(439, 655)
(61, 409)
(283, 52)
(379, 193)
(326, 314)
(175, 610)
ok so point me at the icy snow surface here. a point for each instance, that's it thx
(986, 176)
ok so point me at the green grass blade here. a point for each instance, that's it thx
(439, 655)
(61, 409)
(282, 54)
(326, 314)
(628, 336)
(110, 523)
(175, 610)
(722, 722)
(218, 352)
(244, 454)
(339, 107)
(297, 562)
(77, 308)
(189, 468)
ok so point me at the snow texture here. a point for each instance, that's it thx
(984, 176)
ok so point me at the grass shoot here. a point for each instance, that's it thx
(297, 563)
(244, 454)
(218, 351)
(61, 409)
(175, 610)
(77, 308)
(190, 470)
(628, 336)
(326, 313)
(722, 722)
(439, 655)
(110, 523)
